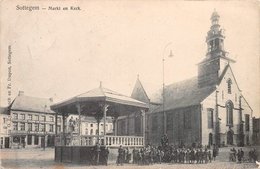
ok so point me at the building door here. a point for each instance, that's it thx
(210, 139)
(23, 141)
(50, 141)
(230, 137)
(42, 141)
(7, 139)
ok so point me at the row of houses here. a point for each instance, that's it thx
(28, 122)
(207, 109)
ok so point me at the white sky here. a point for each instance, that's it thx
(61, 54)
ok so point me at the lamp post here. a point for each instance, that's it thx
(163, 92)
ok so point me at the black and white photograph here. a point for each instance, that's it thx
(153, 84)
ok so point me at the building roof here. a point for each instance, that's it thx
(182, 94)
(139, 93)
(93, 120)
(186, 93)
(90, 119)
(102, 94)
(32, 104)
(4, 110)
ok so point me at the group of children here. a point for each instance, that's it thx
(150, 155)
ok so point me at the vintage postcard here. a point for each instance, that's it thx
(129, 84)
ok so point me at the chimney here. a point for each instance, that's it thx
(51, 99)
(21, 93)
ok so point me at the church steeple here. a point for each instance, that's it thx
(216, 59)
(215, 38)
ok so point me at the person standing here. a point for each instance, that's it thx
(238, 156)
(120, 158)
(214, 153)
(242, 155)
(97, 153)
(106, 153)
(205, 155)
(209, 155)
(134, 152)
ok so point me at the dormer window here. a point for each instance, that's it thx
(229, 83)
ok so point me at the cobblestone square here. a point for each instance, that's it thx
(38, 158)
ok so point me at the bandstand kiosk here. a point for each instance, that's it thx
(99, 103)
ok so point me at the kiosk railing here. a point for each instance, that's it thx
(91, 140)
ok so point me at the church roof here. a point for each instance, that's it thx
(186, 93)
(181, 94)
(32, 104)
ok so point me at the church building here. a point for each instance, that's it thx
(207, 109)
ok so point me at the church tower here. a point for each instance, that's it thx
(216, 59)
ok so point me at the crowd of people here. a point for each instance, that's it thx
(171, 154)
(166, 153)
(239, 155)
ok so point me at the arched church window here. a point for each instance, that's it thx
(229, 83)
(229, 110)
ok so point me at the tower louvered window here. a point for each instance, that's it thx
(229, 83)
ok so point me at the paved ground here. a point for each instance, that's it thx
(37, 158)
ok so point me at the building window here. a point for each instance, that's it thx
(43, 118)
(51, 128)
(210, 118)
(15, 125)
(187, 119)
(16, 139)
(229, 83)
(154, 123)
(29, 126)
(58, 128)
(86, 131)
(29, 117)
(36, 140)
(137, 124)
(247, 122)
(22, 126)
(37, 117)
(91, 132)
(59, 120)
(169, 122)
(15, 116)
(229, 114)
(42, 127)
(36, 127)
(51, 119)
(91, 125)
(23, 116)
